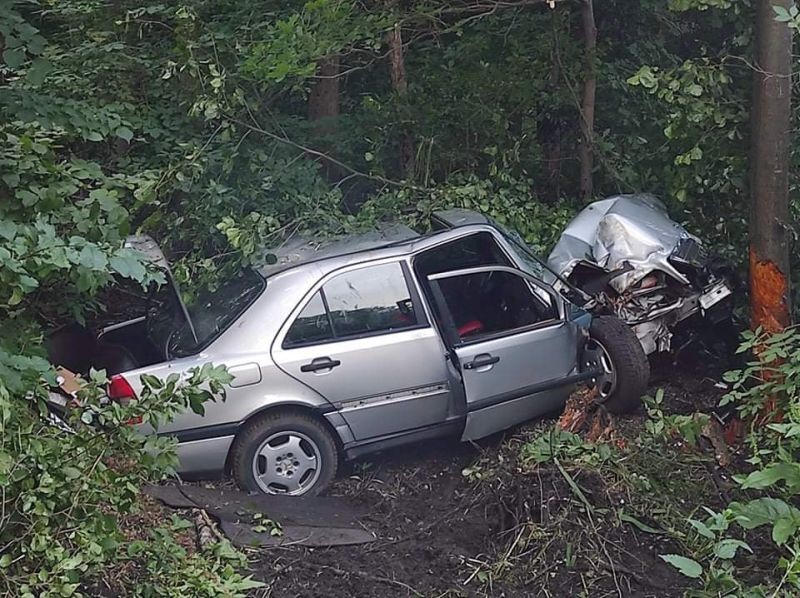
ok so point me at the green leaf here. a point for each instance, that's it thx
(71, 562)
(787, 472)
(781, 14)
(14, 57)
(16, 297)
(686, 566)
(784, 528)
(701, 528)
(128, 266)
(641, 525)
(11, 179)
(726, 549)
(72, 473)
(761, 511)
(124, 133)
(5, 462)
(38, 71)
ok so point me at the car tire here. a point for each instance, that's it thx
(617, 347)
(285, 453)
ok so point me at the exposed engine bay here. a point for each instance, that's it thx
(647, 269)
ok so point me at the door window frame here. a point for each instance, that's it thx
(420, 311)
(451, 334)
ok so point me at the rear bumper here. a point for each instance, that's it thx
(204, 457)
(198, 458)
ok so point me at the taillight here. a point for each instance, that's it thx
(121, 391)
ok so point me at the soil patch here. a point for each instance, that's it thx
(475, 520)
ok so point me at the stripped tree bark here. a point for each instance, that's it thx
(586, 148)
(397, 71)
(769, 171)
(324, 103)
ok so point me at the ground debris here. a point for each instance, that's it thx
(713, 431)
(207, 534)
(583, 415)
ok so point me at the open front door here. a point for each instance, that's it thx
(517, 353)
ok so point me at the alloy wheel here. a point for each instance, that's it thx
(597, 356)
(287, 463)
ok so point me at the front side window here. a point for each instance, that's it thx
(493, 302)
(371, 300)
(479, 249)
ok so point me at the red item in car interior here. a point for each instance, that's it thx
(470, 327)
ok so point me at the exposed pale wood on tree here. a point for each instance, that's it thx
(586, 148)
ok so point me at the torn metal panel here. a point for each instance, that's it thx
(637, 262)
(632, 231)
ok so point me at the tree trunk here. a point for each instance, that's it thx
(397, 71)
(323, 102)
(324, 108)
(769, 171)
(549, 133)
(586, 148)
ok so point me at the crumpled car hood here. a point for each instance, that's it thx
(625, 229)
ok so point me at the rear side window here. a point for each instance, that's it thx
(312, 325)
(371, 300)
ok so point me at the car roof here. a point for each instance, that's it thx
(393, 241)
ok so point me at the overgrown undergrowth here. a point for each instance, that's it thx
(664, 496)
(70, 498)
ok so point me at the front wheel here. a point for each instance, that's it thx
(285, 453)
(616, 351)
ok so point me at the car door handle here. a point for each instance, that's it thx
(320, 363)
(481, 361)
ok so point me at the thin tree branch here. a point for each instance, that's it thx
(312, 152)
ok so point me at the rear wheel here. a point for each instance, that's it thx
(285, 453)
(614, 349)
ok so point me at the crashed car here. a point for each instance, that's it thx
(352, 346)
(650, 271)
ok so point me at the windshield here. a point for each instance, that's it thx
(212, 311)
(531, 262)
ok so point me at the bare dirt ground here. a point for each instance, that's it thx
(456, 519)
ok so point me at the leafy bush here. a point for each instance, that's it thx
(65, 490)
(766, 393)
(506, 199)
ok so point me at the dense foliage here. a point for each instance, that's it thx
(192, 122)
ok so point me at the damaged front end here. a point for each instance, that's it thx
(639, 264)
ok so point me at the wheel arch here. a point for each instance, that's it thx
(315, 411)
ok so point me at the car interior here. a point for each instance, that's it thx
(481, 303)
(80, 348)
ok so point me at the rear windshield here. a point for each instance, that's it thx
(212, 311)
